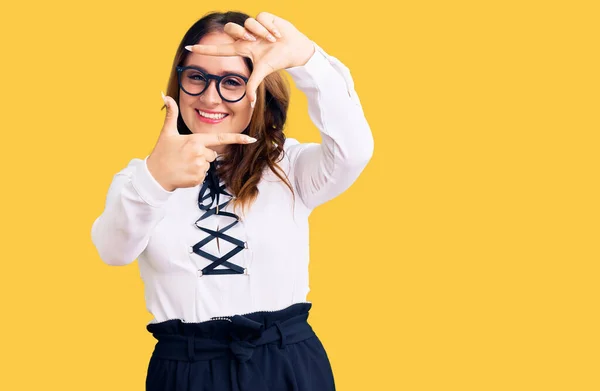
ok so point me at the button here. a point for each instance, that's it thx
(200, 273)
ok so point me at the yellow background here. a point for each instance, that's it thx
(466, 257)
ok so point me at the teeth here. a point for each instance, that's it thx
(211, 116)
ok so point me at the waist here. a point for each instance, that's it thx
(233, 336)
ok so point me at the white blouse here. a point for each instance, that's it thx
(143, 221)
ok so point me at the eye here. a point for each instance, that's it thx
(196, 76)
(232, 82)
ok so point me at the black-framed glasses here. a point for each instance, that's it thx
(194, 81)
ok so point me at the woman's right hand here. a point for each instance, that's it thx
(182, 160)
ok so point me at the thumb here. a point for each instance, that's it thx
(170, 125)
(260, 71)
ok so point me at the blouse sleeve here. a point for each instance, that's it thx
(135, 204)
(323, 171)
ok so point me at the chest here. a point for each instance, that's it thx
(270, 223)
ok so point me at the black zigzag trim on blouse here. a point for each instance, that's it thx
(212, 188)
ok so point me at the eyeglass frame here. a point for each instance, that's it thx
(210, 76)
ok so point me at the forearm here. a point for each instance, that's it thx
(134, 205)
(325, 170)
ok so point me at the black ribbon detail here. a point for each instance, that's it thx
(213, 189)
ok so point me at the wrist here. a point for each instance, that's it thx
(156, 175)
(307, 53)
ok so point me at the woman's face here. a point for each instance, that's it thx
(237, 114)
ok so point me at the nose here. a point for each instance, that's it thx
(211, 95)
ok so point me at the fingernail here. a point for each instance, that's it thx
(277, 33)
(252, 103)
(189, 47)
(250, 139)
(271, 38)
(164, 98)
(249, 37)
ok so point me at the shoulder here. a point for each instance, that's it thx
(287, 157)
(293, 147)
(290, 146)
(134, 165)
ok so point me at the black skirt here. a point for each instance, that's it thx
(260, 351)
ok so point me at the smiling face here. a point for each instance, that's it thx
(208, 113)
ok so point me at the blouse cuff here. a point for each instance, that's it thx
(148, 187)
(315, 69)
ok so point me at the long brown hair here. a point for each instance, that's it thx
(242, 165)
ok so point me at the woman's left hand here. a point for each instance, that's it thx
(272, 43)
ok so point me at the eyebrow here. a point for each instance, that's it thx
(226, 72)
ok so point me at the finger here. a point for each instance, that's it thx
(268, 21)
(227, 49)
(170, 124)
(207, 154)
(210, 154)
(238, 32)
(214, 139)
(260, 71)
(255, 27)
(206, 167)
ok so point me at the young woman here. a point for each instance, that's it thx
(217, 214)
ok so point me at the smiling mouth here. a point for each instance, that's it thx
(215, 117)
